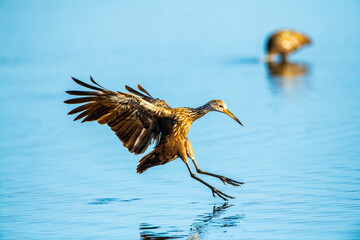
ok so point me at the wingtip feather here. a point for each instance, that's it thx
(143, 90)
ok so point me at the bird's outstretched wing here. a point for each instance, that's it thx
(134, 120)
(147, 97)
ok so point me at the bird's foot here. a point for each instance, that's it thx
(221, 194)
(230, 181)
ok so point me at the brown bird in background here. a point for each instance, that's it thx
(138, 120)
(284, 42)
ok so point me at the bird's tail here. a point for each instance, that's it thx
(149, 160)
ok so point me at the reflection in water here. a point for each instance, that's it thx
(213, 220)
(287, 74)
(198, 228)
(150, 232)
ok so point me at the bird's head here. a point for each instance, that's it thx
(305, 40)
(220, 106)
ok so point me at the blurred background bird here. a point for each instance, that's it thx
(285, 42)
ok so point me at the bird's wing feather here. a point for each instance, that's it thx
(156, 101)
(134, 120)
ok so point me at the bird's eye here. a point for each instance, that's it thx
(221, 106)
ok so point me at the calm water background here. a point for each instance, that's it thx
(298, 153)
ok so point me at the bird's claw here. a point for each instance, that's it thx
(221, 194)
(230, 181)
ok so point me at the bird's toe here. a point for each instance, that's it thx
(230, 181)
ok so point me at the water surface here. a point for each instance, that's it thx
(298, 152)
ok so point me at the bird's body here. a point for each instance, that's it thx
(173, 142)
(284, 42)
(139, 119)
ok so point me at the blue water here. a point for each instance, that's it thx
(298, 152)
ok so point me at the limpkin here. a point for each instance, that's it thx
(138, 118)
(284, 42)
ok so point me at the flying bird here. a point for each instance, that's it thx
(284, 42)
(138, 119)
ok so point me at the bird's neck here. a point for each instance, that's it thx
(200, 111)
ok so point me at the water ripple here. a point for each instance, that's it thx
(200, 226)
(100, 201)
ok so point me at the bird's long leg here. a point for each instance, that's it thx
(284, 58)
(222, 178)
(214, 190)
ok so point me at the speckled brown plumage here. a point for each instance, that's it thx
(284, 42)
(139, 119)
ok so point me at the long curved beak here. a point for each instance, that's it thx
(232, 116)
